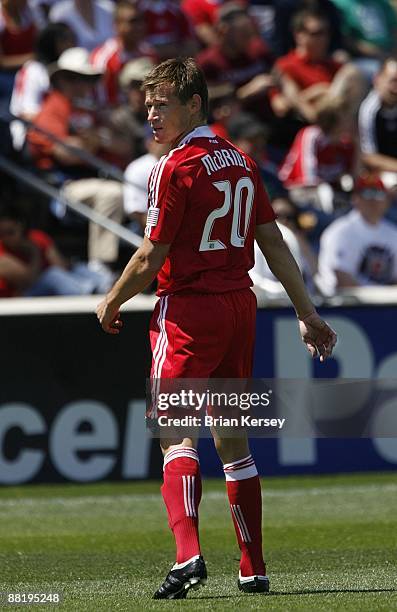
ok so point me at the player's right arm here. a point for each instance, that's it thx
(140, 271)
(319, 338)
(166, 206)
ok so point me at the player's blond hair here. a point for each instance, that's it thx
(186, 78)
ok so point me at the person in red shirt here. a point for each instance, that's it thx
(207, 204)
(68, 114)
(239, 57)
(128, 44)
(23, 254)
(168, 29)
(308, 74)
(321, 153)
(18, 31)
(204, 14)
(31, 265)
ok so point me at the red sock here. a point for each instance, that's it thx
(182, 494)
(244, 492)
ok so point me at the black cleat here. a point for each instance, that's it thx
(253, 584)
(179, 581)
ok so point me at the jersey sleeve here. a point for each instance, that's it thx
(264, 210)
(167, 201)
(367, 125)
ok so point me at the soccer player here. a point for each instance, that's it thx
(206, 205)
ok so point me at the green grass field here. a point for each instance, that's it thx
(330, 544)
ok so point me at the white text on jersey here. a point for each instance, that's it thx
(222, 158)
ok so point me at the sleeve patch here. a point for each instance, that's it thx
(152, 216)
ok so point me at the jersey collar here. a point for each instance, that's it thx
(202, 131)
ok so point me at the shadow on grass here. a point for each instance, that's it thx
(324, 591)
(303, 592)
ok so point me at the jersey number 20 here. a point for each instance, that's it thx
(236, 239)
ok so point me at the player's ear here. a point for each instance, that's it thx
(195, 103)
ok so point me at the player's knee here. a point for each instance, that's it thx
(231, 449)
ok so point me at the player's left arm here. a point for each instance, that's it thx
(318, 336)
(140, 271)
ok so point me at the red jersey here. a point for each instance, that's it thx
(205, 199)
(314, 158)
(111, 57)
(306, 72)
(165, 22)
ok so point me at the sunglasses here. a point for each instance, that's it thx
(319, 32)
(373, 194)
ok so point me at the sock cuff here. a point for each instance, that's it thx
(184, 451)
(240, 469)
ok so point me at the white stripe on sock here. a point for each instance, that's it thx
(239, 523)
(241, 515)
(188, 495)
(185, 498)
(192, 497)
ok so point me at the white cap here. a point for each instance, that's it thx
(135, 70)
(77, 60)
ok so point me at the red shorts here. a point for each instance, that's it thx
(204, 335)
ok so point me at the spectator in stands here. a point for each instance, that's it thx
(32, 81)
(204, 15)
(168, 29)
(31, 265)
(128, 44)
(370, 29)
(360, 248)
(67, 113)
(284, 11)
(308, 74)
(239, 57)
(302, 224)
(378, 124)
(130, 119)
(18, 30)
(136, 183)
(247, 133)
(223, 106)
(261, 275)
(321, 154)
(90, 20)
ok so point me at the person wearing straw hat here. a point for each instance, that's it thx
(129, 119)
(68, 113)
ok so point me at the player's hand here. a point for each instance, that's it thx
(109, 317)
(318, 336)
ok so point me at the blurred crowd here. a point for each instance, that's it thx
(307, 88)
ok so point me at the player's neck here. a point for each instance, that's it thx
(178, 140)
